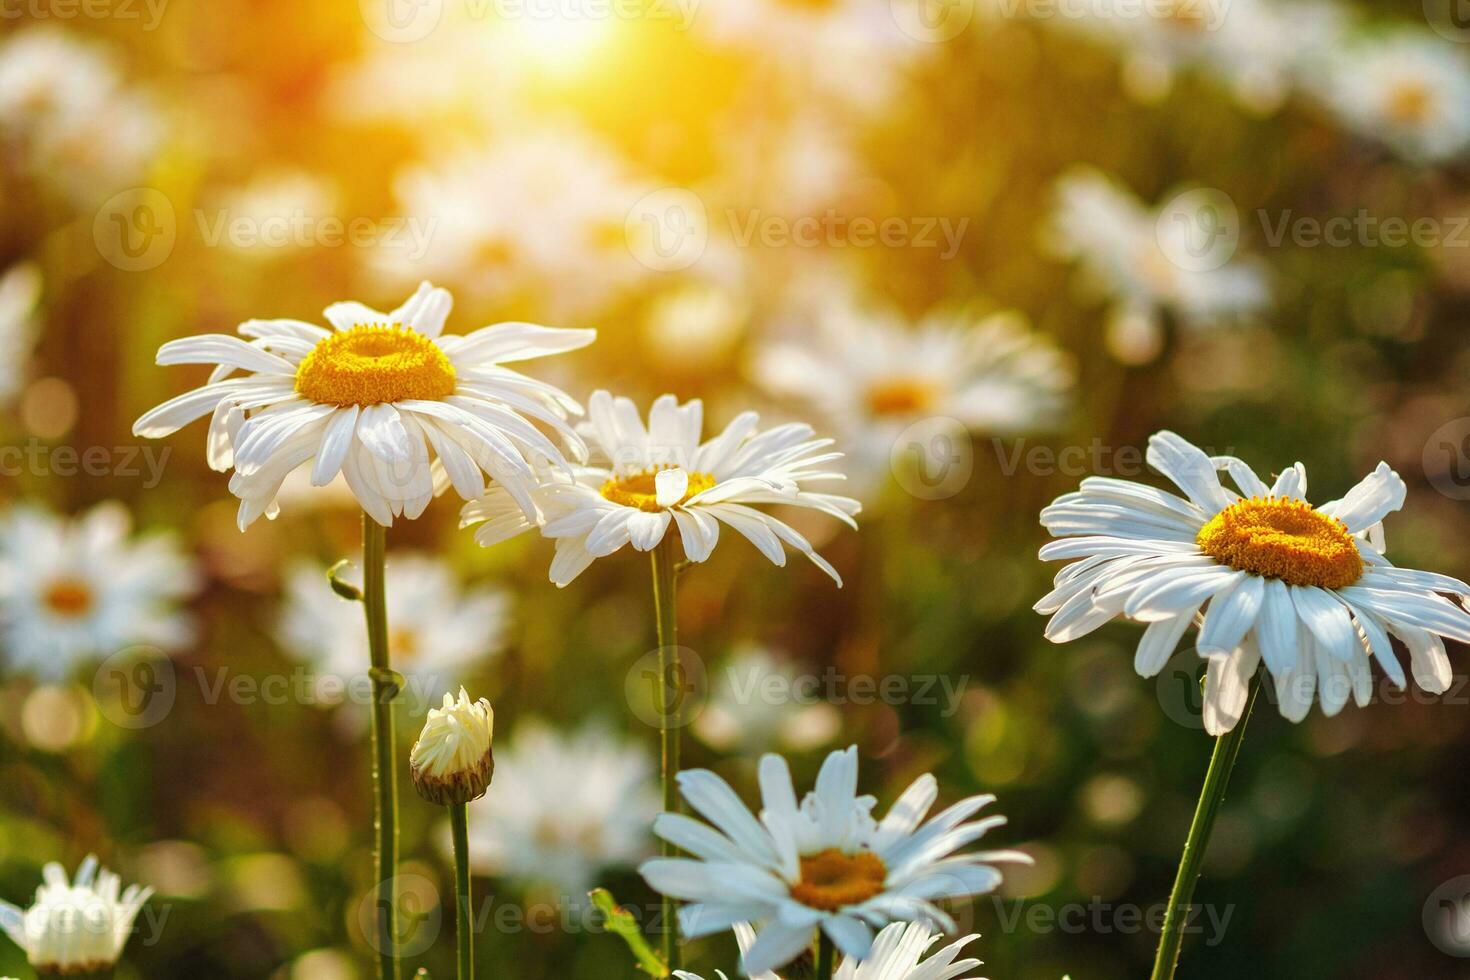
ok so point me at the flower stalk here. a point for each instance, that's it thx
(1212, 796)
(463, 935)
(665, 579)
(826, 955)
(385, 772)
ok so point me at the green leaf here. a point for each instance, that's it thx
(620, 922)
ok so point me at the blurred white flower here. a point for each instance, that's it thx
(400, 409)
(66, 108)
(824, 863)
(896, 955)
(78, 926)
(536, 215)
(85, 587)
(1142, 265)
(871, 375)
(1409, 90)
(666, 478)
(564, 807)
(818, 44)
(439, 632)
(755, 705)
(695, 326)
(450, 76)
(1270, 579)
(278, 210)
(20, 291)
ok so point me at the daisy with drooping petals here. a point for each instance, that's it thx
(824, 864)
(1145, 267)
(387, 400)
(78, 926)
(895, 956)
(1306, 590)
(564, 806)
(86, 587)
(648, 482)
(873, 377)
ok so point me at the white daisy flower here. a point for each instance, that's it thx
(65, 108)
(871, 376)
(815, 44)
(1125, 255)
(564, 807)
(537, 215)
(74, 927)
(1271, 579)
(1407, 89)
(756, 704)
(20, 292)
(73, 589)
(826, 863)
(438, 630)
(896, 955)
(649, 480)
(452, 763)
(383, 398)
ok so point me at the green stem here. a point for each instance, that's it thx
(1217, 778)
(825, 956)
(385, 772)
(464, 936)
(664, 588)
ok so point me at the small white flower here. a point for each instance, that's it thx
(1131, 258)
(826, 863)
(75, 927)
(871, 376)
(649, 480)
(72, 589)
(1271, 579)
(535, 215)
(400, 410)
(275, 213)
(895, 955)
(564, 807)
(451, 762)
(1408, 89)
(437, 630)
(20, 291)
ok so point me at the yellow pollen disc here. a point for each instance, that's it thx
(903, 396)
(831, 880)
(67, 597)
(1283, 538)
(1184, 14)
(375, 363)
(640, 491)
(1410, 103)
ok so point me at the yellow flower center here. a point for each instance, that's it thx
(641, 491)
(68, 597)
(1185, 14)
(375, 363)
(1283, 538)
(404, 644)
(901, 396)
(831, 880)
(1410, 103)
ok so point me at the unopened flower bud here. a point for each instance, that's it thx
(451, 762)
